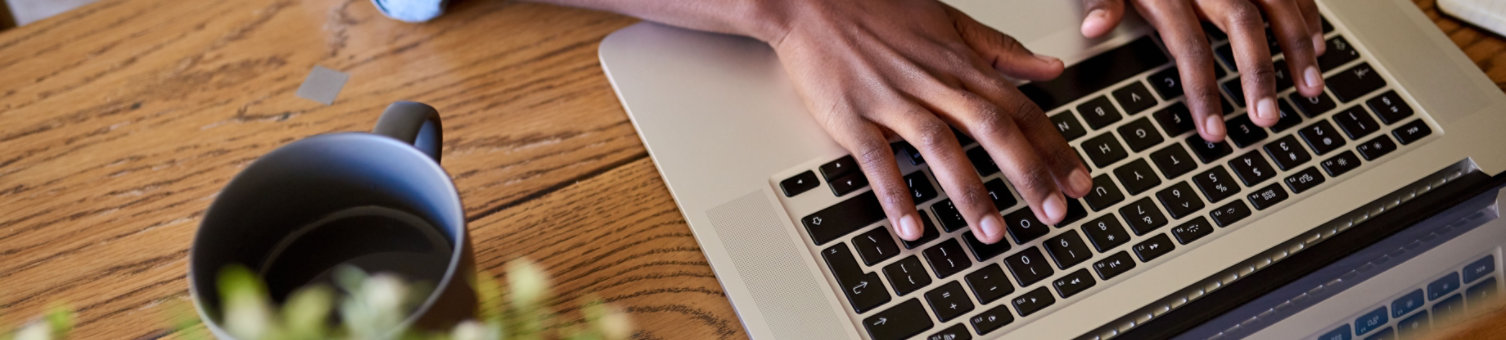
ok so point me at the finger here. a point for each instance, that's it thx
(1101, 16)
(1003, 52)
(1246, 28)
(1066, 168)
(1314, 23)
(874, 156)
(1295, 37)
(998, 133)
(935, 141)
(1183, 35)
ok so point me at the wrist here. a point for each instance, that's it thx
(766, 20)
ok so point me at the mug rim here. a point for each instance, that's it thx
(457, 253)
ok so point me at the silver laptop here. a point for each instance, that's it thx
(802, 250)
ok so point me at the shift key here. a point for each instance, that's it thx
(844, 218)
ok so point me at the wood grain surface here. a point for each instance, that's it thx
(121, 120)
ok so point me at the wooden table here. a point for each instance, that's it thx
(121, 120)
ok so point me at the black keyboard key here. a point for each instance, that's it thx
(1356, 122)
(982, 161)
(1413, 131)
(906, 275)
(1267, 196)
(1168, 83)
(1173, 161)
(1067, 249)
(989, 283)
(1104, 150)
(951, 219)
(1099, 112)
(848, 183)
(1068, 126)
(1413, 326)
(1287, 153)
(920, 187)
(946, 258)
(1216, 184)
(1137, 177)
(1142, 216)
(1028, 266)
(1206, 151)
(843, 218)
(1340, 164)
(1355, 82)
(1153, 248)
(949, 301)
(1304, 180)
(1033, 301)
(1179, 200)
(801, 183)
(1235, 91)
(1230, 213)
(1226, 54)
(1252, 168)
(1289, 117)
(865, 294)
(929, 231)
(1105, 232)
(1312, 107)
(991, 320)
(962, 138)
(1074, 212)
(1096, 73)
(1283, 80)
(955, 332)
(981, 251)
(1339, 53)
(898, 322)
(843, 266)
(1321, 137)
(1134, 98)
(1104, 194)
(1175, 119)
(1375, 148)
(1073, 283)
(906, 148)
(1390, 107)
(1140, 134)
(1192, 230)
(838, 168)
(1244, 132)
(1023, 226)
(999, 194)
(875, 245)
(1112, 266)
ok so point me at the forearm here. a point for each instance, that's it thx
(760, 19)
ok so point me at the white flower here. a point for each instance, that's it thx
(35, 331)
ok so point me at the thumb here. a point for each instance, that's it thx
(1003, 52)
(1100, 16)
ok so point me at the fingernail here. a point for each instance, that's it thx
(1319, 45)
(909, 227)
(1213, 125)
(1080, 181)
(1313, 78)
(992, 225)
(1047, 59)
(1055, 208)
(1266, 109)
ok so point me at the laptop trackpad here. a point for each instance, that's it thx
(788, 298)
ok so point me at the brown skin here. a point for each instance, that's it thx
(869, 69)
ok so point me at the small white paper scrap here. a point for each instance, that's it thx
(322, 85)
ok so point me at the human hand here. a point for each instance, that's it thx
(915, 68)
(1296, 24)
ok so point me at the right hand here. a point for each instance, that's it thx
(915, 68)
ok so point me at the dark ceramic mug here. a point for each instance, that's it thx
(376, 201)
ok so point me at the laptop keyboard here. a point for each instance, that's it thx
(1157, 186)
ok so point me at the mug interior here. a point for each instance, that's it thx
(279, 211)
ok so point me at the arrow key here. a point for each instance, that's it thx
(991, 320)
(900, 322)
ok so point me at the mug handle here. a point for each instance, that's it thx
(413, 123)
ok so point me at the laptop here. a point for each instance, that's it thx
(1178, 235)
